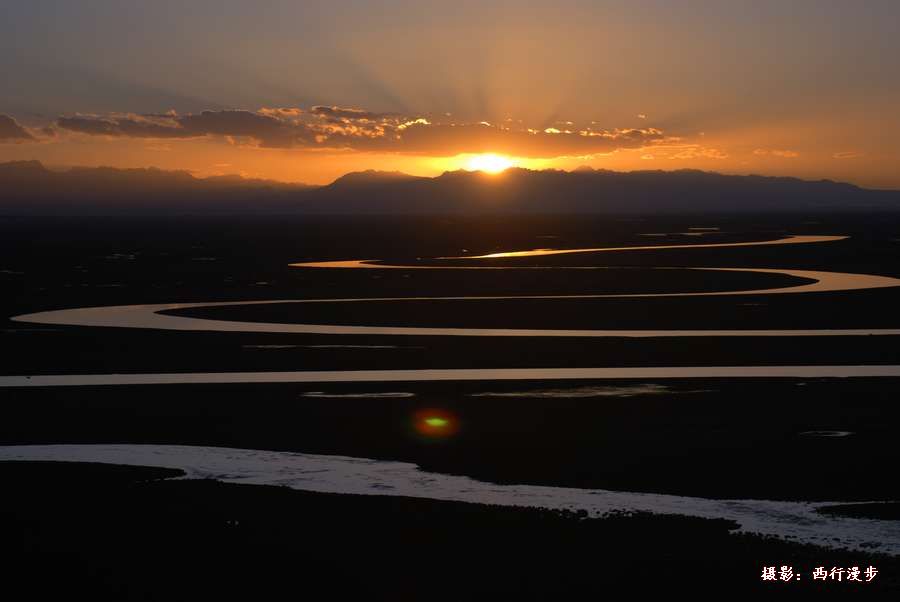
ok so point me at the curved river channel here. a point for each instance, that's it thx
(798, 521)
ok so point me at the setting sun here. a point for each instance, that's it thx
(489, 163)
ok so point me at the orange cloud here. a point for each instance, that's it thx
(787, 154)
(695, 151)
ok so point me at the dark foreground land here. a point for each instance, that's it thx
(110, 534)
(97, 532)
(737, 438)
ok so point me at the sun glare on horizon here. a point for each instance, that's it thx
(489, 162)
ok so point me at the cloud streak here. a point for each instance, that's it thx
(773, 152)
(11, 131)
(340, 128)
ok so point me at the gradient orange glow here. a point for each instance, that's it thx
(274, 144)
(210, 157)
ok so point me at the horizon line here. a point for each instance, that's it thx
(580, 169)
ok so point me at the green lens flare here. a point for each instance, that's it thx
(436, 421)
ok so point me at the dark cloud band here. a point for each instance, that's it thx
(11, 131)
(355, 129)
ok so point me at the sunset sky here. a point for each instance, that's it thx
(306, 91)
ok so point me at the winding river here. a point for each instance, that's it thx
(798, 521)
(810, 281)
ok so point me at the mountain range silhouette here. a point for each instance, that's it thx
(29, 188)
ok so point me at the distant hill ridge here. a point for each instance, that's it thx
(27, 187)
(371, 177)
